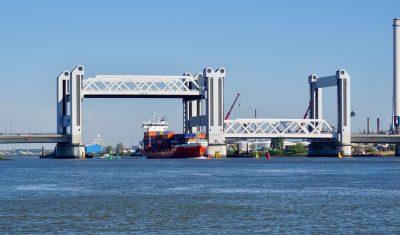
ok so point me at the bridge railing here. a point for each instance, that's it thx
(274, 128)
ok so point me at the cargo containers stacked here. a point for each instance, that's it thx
(167, 144)
(156, 139)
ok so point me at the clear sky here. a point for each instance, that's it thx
(267, 47)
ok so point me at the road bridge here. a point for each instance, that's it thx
(375, 138)
(207, 89)
(325, 141)
(33, 138)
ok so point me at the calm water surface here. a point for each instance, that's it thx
(224, 196)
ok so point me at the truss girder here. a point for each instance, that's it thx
(119, 85)
(274, 128)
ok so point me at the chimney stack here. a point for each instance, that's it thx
(396, 75)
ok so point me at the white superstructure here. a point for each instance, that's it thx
(155, 124)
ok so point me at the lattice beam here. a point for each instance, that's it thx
(142, 86)
(273, 128)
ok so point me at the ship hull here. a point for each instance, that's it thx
(185, 151)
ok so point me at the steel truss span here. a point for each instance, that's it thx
(108, 86)
(275, 128)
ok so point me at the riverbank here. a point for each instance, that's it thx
(305, 154)
(377, 154)
(4, 159)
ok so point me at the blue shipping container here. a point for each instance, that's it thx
(93, 148)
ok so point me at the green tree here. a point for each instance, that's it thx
(277, 143)
(370, 150)
(296, 149)
(108, 149)
(253, 146)
(119, 148)
(357, 149)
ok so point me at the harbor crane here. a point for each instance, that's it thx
(230, 109)
(308, 110)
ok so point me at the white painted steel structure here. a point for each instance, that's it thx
(341, 80)
(208, 86)
(185, 86)
(69, 112)
(214, 83)
(63, 119)
(76, 99)
(276, 128)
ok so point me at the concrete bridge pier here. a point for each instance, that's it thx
(328, 149)
(397, 150)
(217, 150)
(66, 150)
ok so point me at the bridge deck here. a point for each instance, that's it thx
(375, 138)
(33, 138)
(355, 138)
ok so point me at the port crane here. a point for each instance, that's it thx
(352, 113)
(308, 109)
(230, 109)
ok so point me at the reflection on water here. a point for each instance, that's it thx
(281, 195)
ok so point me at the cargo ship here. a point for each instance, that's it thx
(158, 143)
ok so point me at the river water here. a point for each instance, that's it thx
(188, 196)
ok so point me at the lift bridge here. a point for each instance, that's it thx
(203, 89)
(202, 97)
(207, 89)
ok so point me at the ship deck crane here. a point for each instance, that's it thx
(230, 109)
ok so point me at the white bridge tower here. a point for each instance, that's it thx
(342, 145)
(69, 117)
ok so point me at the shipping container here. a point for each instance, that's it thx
(94, 148)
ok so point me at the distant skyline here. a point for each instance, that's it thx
(267, 47)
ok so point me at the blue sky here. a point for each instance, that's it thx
(267, 47)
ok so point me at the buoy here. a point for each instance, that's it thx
(268, 155)
(217, 154)
(208, 155)
(340, 155)
(256, 155)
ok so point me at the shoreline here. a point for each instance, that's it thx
(4, 159)
(263, 154)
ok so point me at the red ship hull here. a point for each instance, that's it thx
(180, 151)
